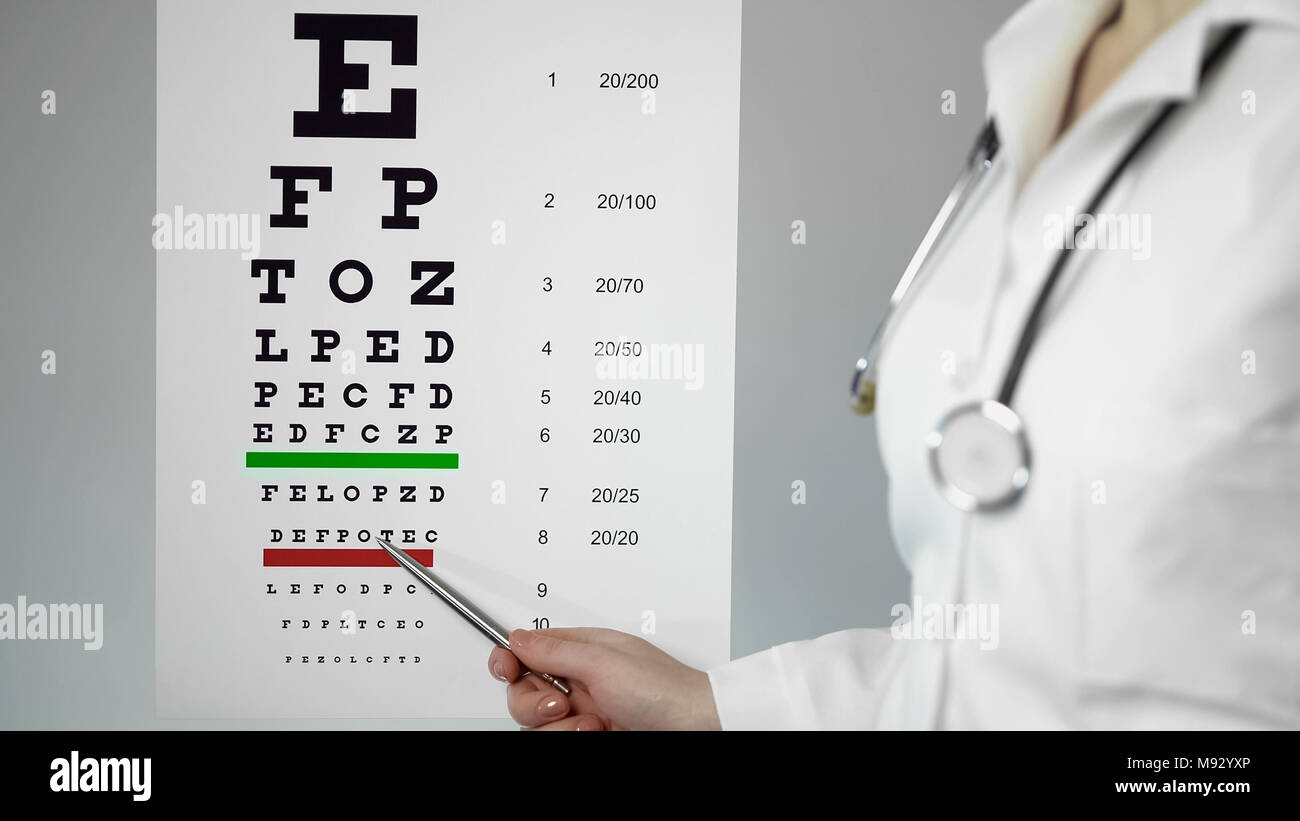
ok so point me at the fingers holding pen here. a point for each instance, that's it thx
(544, 649)
(531, 701)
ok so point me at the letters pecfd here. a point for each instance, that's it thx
(354, 395)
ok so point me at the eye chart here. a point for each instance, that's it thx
(457, 274)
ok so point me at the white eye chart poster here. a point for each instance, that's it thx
(457, 274)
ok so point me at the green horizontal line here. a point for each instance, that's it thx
(298, 459)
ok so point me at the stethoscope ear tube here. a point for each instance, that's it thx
(862, 390)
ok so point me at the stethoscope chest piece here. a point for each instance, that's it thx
(979, 456)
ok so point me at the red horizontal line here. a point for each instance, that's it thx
(337, 557)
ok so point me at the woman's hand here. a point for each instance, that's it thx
(618, 682)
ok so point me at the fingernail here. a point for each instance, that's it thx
(588, 724)
(520, 637)
(496, 671)
(552, 708)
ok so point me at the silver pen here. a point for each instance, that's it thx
(463, 606)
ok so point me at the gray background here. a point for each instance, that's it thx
(840, 127)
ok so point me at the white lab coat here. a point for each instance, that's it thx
(1150, 575)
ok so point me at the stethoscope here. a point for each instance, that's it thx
(979, 452)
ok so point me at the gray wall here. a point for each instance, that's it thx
(840, 127)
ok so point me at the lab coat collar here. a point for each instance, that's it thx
(1029, 65)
